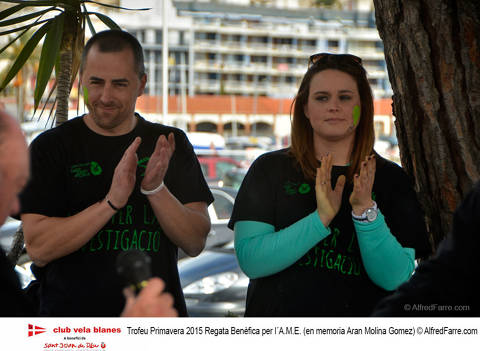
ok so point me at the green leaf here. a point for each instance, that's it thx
(12, 41)
(50, 49)
(107, 20)
(26, 17)
(11, 11)
(118, 7)
(87, 17)
(27, 27)
(33, 3)
(25, 54)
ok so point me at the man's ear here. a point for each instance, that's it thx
(143, 83)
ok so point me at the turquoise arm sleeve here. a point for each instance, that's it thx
(261, 251)
(387, 263)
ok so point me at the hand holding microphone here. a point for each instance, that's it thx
(150, 302)
(144, 295)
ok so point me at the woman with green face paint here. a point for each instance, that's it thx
(327, 227)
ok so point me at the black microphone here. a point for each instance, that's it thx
(134, 267)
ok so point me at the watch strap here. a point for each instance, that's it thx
(363, 216)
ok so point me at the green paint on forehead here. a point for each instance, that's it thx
(356, 115)
(85, 95)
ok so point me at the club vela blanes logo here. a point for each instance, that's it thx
(35, 330)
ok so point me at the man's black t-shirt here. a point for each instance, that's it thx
(72, 168)
(330, 279)
(13, 301)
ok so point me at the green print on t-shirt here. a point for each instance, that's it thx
(143, 164)
(86, 169)
(325, 256)
(95, 168)
(292, 188)
(123, 237)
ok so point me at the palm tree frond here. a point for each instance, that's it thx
(13, 41)
(33, 3)
(47, 100)
(50, 49)
(87, 18)
(26, 17)
(107, 20)
(27, 27)
(11, 11)
(25, 54)
(117, 7)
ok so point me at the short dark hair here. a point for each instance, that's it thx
(115, 40)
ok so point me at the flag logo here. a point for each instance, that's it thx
(35, 330)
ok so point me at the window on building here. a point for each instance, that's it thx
(262, 129)
(229, 129)
(211, 36)
(333, 44)
(181, 38)
(207, 127)
(173, 38)
(159, 36)
(259, 59)
(379, 127)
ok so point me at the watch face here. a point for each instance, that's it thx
(371, 214)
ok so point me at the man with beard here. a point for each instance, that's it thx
(14, 173)
(107, 182)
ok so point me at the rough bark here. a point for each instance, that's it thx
(64, 79)
(432, 50)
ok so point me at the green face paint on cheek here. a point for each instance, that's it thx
(356, 115)
(85, 95)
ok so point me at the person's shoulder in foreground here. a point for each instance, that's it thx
(446, 284)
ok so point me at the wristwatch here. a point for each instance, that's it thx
(369, 215)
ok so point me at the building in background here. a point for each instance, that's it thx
(227, 47)
(235, 65)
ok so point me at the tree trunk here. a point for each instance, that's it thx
(432, 50)
(64, 79)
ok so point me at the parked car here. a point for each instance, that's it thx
(233, 178)
(7, 231)
(219, 212)
(215, 167)
(213, 283)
